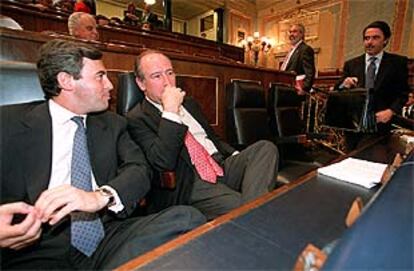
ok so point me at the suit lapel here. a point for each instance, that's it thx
(37, 148)
(360, 71)
(383, 70)
(294, 58)
(98, 136)
(153, 113)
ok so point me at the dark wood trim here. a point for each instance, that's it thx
(23, 46)
(33, 19)
(185, 238)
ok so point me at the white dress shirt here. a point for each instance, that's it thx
(184, 117)
(289, 55)
(377, 61)
(63, 133)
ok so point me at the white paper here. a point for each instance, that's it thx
(356, 171)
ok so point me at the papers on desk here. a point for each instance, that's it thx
(356, 171)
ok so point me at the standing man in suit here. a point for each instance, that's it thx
(167, 125)
(385, 73)
(67, 192)
(300, 59)
(149, 20)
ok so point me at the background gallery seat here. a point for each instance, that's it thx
(247, 118)
(19, 83)
(295, 144)
(248, 121)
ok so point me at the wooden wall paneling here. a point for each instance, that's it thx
(205, 90)
(33, 19)
(203, 78)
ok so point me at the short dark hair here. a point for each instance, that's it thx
(383, 26)
(62, 56)
(137, 65)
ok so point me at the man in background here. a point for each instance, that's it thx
(83, 26)
(385, 74)
(149, 20)
(300, 59)
(408, 109)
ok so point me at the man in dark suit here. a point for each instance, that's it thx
(149, 20)
(389, 81)
(67, 194)
(166, 124)
(300, 59)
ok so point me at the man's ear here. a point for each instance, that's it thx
(140, 84)
(386, 42)
(65, 81)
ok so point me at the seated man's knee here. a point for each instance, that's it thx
(231, 201)
(189, 216)
(267, 146)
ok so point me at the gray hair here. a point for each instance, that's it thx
(137, 66)
(74, 21)
(301, 27)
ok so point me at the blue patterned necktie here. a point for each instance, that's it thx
(86, 228)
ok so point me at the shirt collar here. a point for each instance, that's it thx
(378, 56)
(60, 114)
(293, 47)
(158, 106)
(161, 109)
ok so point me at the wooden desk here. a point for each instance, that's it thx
(383, 238)
(269, 233)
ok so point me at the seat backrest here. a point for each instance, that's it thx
(129, 94)
(285, 107)
(19, 83)
(247, 118)
(346, 110)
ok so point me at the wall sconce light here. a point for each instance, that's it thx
(149, 2)
(256, 44)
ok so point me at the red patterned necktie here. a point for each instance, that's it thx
(206, 166)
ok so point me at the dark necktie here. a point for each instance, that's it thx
(206, 166)
(86, 228)
(370, 75)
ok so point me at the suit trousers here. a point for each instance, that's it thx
(124, 240)
(247, 175)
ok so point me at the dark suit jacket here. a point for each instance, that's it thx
(391, 83)
(26, 156)
(303, 62)
(163, 143)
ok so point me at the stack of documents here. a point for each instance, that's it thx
(356, 171)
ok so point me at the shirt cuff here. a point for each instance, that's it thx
(235, 153)
(117, 206)
(171, 116)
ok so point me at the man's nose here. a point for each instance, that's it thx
(108, 84)
(96, 33)
(166, 78)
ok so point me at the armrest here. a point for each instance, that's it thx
(301, 139)
(403, 122)
(168, 180)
